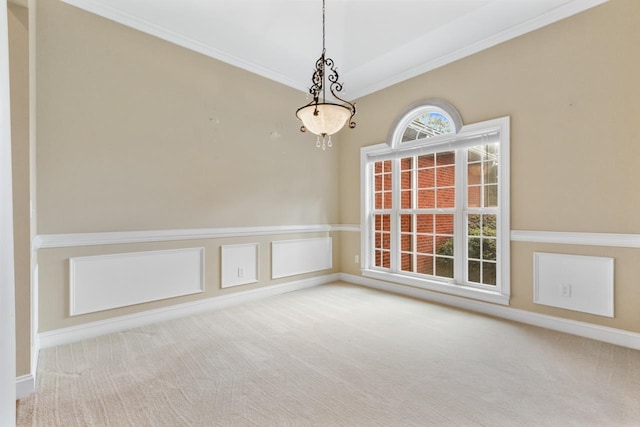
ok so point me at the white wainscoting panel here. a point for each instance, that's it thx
(239, 264)
(299, 256)
(104, 282)
(574, 282)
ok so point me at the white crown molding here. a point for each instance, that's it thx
(137, 23)
(93, 329)
(543, 20)
(583, 329)
(572, 238)
(117, 237)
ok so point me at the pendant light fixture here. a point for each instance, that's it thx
(323, 116)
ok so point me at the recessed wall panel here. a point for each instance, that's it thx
(574, 282)
(105, 282)
(239, 264)
(299, 256)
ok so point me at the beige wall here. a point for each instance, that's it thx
(19, 76)
(135, 133)
(571, 90)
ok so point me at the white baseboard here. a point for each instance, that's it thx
(25, 385)
(588, 330)
(102, 327)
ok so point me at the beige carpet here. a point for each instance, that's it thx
(336, 355)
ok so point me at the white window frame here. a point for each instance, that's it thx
(466, 136)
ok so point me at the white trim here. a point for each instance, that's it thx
(300, 256)
(117, 237)
(574, 327)
(572, 238)
(7, 280)
(548, 18)
(102, 327)
(591, 278)
(141, 24)
(239, 264)
(457, 290)
(25, 385)
(106, 282)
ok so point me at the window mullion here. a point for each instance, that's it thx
(459, 230)
(395, 216)
(414, 220)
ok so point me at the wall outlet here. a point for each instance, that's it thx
(565, 290)
(240, 272)
(356, 259)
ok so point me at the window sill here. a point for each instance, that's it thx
(494, 297)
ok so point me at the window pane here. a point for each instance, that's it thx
(424, 264)
(474, 224)
(489, 249)
(425, 178)
(425, 244)
(446, 176)
(444, 224)
(446, 198)
(490, 196)
(475, 154)
(386, 167)
(405, 200)
(405, 180)
(406, 262)
(445, 158)
(387, 181)
(405, 223)
(489, 273)
(426, 199)
(386, 241)
(406, 163)
(491, 151)
(427, 125)
(444, 245)
(490, 170)
(474, 271)
(488, 225)
(474, 247)
(386, 222)
(424, 223)
(386, 259)
(474, 172)
(378, 184)
(473, 197)
(444, 267)
(426, 161)
(406, 242)
(387, 200)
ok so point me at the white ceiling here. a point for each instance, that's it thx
(375, 43)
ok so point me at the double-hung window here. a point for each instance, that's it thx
(435, 205)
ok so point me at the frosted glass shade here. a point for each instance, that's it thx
(329, 120)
